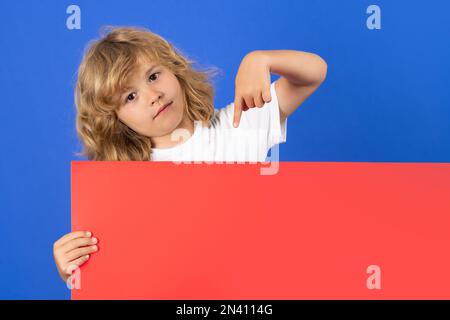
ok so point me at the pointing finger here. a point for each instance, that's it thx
(237, 112)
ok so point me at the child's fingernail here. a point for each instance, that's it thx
(235, 124)
(88, 234)
(94, 240)
(94, 248)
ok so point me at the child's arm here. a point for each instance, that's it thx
(301, 73)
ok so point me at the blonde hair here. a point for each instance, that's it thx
(105, 70)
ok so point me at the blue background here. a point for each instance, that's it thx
(386, 97)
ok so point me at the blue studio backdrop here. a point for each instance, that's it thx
(385, 99)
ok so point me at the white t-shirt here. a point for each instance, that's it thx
(259, 130)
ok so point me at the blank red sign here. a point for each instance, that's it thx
(314, 230)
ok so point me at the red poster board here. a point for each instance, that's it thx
(224, 231)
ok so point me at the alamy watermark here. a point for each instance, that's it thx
(244, 146)
(74, 20)
(374, 280)
(74, 280)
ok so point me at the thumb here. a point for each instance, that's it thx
(266, 95)
(71, 268)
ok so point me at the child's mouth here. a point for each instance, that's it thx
(163, 109)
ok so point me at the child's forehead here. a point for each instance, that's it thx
(144, 66)
(146, 62)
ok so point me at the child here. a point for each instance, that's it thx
(137, 98)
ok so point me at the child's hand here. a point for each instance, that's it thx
(252, 84)
(73, 249)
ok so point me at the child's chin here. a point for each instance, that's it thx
(168, 126)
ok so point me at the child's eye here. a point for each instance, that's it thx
(130, 96)
(153, 75)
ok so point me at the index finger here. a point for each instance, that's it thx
(237, 112)
(73, 235)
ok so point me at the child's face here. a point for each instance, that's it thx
(152, 87)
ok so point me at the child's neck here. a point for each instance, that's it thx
(166, 141)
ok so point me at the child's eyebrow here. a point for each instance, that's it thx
(151, 69)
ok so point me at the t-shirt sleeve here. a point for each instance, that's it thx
(265, 120)
(277, 130)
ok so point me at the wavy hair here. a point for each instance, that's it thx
(105, 70)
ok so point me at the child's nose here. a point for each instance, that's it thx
(152, 97)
